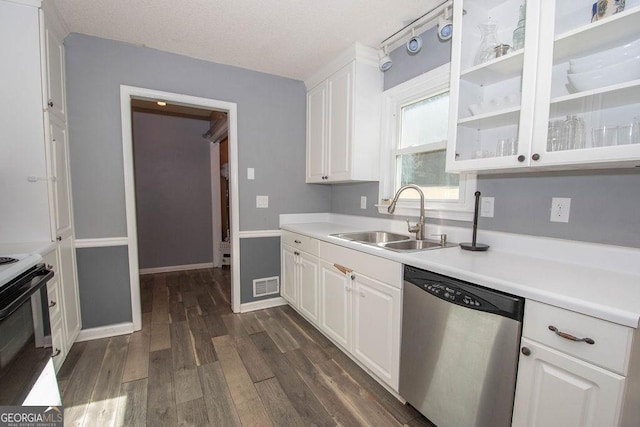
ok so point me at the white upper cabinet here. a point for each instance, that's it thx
(54, 95)
(343, 116)
(550, 102)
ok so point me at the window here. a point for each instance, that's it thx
(415, 127)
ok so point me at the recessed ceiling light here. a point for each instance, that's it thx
(161, 103)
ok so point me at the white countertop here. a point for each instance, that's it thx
(608, 290)
(40, 248)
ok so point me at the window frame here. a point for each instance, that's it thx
(426, 85)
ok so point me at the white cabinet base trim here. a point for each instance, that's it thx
(171, 268)
(105, 331)
(262, 304)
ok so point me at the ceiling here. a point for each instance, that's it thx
(290, 38)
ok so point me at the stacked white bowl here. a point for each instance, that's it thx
(605, 68)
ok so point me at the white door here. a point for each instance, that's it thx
(289, 275)
(376, 327)
(335, 303)
(316, 133)
(61, 184)
(340, 123)
(556, 390)
(308, 286)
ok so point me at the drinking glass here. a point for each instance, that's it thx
(604, 136)
(554, 136)
(636, 131)
(573, 133)
(625, 134)
(505, 147)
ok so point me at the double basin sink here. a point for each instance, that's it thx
(393, 241)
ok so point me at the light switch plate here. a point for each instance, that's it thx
(363, 202)
(262, 201)
(251, 173)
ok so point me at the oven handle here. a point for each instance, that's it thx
(45, 276)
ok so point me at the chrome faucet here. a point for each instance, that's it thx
(419, 228)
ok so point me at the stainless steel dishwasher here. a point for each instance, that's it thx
(459, 350)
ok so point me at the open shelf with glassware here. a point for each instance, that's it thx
(573, 77)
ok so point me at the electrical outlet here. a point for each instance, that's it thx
(262, 201)
(486, 207)
(363, 202)
(560, 207)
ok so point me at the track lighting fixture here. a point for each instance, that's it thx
(385, 60)
(414, 44)
(445, 25)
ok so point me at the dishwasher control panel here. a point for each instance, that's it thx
(454, 295)
(465, 294)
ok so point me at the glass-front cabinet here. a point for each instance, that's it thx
(544, 83)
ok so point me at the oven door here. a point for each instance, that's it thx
(22, 357)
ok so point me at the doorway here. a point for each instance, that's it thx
(129, 94)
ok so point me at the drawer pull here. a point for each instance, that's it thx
(52, 304)
(297, 241)
(343, 270)
(570, 337)
(56, 353)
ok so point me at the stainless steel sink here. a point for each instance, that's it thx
(375, 237)
(416, 245)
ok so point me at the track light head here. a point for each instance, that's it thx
(445, 26)
(414, 44)
(385, 60)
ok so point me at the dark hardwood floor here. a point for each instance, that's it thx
(195, 363)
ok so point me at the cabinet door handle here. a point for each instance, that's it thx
(521, 158)
(297, 241)
(52, 304)
(342, 269)
(526, 351)
(569, 336)
(59, 238)
(353, 277)
(56, 353)
(50, 104)
(536, 157)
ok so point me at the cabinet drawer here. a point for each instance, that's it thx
(298, 241)
(382, 269)
(611, 342)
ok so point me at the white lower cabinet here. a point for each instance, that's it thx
(576, 371)
(63, 302)
(360, 313)
(376, 327)
(335, 306)
(299, 272)
(555, 389)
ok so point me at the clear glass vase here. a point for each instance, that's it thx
(488, 42)
(518, 33)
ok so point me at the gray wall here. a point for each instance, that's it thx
(605, 205)
(259, 258)
(173, 190)
(271, 138)
(271, 130)
(105, 271)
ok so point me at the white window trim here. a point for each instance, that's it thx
(392, 100)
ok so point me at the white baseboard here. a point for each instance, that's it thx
(260, 305)
(105, 331)
(171, 268)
